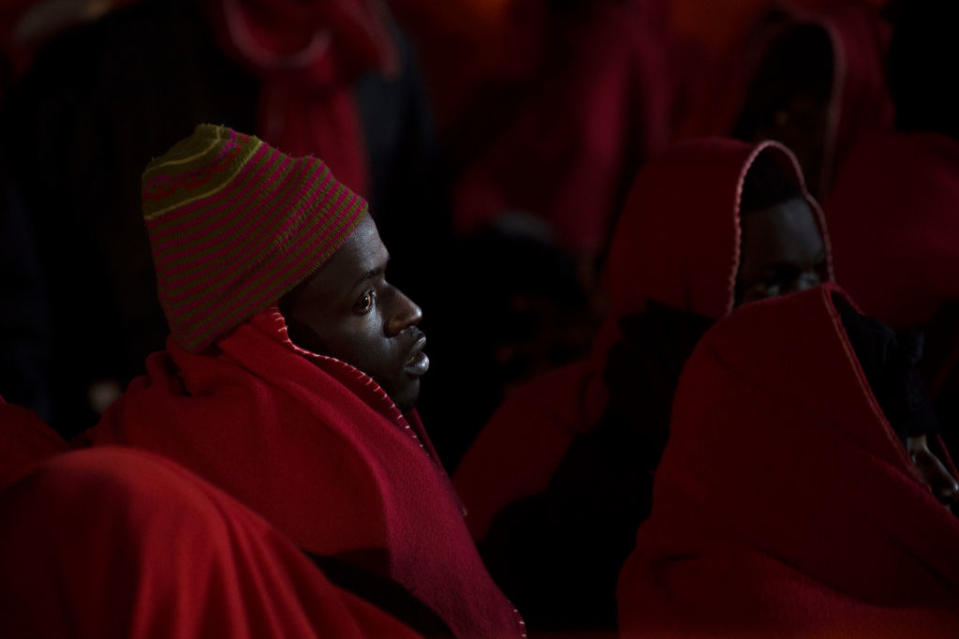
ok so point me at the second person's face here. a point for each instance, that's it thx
(782, 252)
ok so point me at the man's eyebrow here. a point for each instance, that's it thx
(372, 273)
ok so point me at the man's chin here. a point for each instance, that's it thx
(407, 397)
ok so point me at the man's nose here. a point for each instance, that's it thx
(404, 313)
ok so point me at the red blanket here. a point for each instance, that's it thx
(111, 543)
(676, 243)
(785, 504)
(860, 102)
(892, 217)
(307, 56)
(319, 450)
(24, 440)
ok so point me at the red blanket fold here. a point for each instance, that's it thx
(319, 450)
(785, 504)
(24, 441)
(113, 542)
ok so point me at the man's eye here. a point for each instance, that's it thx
(768, 290)
(365, 303)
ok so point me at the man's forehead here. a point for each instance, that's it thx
(367, 252)
(787, 229)
(358, 258)
(785, 217)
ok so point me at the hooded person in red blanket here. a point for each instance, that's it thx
(116, 543)
(818, 87)
(564, 469)
(804, 491)
(316, 433)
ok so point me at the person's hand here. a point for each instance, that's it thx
(933, 471)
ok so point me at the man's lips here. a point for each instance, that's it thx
(418, 362)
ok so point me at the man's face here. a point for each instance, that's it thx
(349, 311)
(781, 252)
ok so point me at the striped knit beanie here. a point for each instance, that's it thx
(234, 224)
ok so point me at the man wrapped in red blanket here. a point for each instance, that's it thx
(318, 436)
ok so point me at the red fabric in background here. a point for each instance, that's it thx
(519, 449)
(599, 106)
(25, 439)
(307, 56)
(785, 504)
(676, 243)
(113, 542)
(465, 46)
(893, 216)
(859, 102)
(319, 450)
(26, 25)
